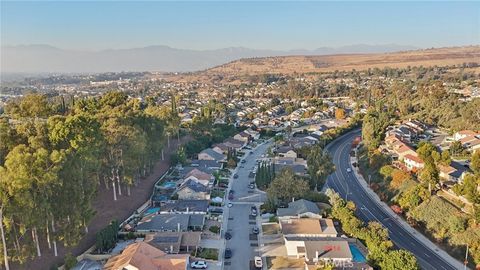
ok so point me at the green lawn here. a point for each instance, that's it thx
(207, 253)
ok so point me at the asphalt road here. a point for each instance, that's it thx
(240, 224)
(367, 210)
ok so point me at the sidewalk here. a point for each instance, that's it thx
(420, 237)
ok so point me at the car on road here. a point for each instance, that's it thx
(228, 236)
(228, 253)
(199, 265)
(251, 186)
(235, 176)
(253, 211)
(243, 161)
(229, 205)
(258, 262)
(255, 230)
(349, 170)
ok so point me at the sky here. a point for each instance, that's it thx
(94, 25)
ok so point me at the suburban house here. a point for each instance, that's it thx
(255, 135)
(171, 222)
(286, 151)
(193, 190)
(203, 165)
(220, 148)
(210, 154)
(298, 165)
(453, 173)
(185, 206)
(200, 177)
(142, 256)
(403, 150)
(333, 250)
(464, 134)
(299, 209)
(413, 162)
(243, 136)
(233, 143)
(174, 242)
(469, 139)
(308, 227)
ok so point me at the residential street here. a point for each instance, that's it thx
(348, 186)
(240, 223)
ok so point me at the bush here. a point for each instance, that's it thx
(214, 229)
(70, 261)
(273, 219)
(207, 253)
(316, 197)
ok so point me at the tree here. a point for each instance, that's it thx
(399, 259)
(456, 148)
(374, 125)
(475, 162)
(287, 186)
(429, 174)
(320, 166)
(339, 113)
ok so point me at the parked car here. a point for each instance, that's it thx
(235, 176)
(230, 196)
(243, 161)
(349, 170)
(251, 186)
(258, 262)
(228, 253)
(255, 230)
(229, 205)
(199, 265)
(228, 236)
(253, 211)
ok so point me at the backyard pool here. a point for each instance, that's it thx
(357, 255)
(154, 210)
(168, 185)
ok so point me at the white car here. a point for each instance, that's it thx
(349, 170)
(229, 205)
(258, 262)
(199, 265)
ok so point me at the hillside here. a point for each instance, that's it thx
(328, 63)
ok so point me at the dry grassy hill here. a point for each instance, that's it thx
(328, 63)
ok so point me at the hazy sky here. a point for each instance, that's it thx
(262, 25)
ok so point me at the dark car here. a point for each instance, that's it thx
(228, 236)
(243, 161)
(228, 253)
(230, 196)
(255, 230)
(235, 176)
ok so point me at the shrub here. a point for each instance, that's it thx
(214, 229)
(70, 261)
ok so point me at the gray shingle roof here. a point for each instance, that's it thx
(182, 205)
(170, 222)
(194, 185)
(298, 207)
(213, 154)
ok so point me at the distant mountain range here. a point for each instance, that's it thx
(45, 58)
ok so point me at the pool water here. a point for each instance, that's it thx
(357, 255)
(152, 210)
(169, 185)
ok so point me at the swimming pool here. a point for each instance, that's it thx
(357, 255)
(168, 185)
(152, 210)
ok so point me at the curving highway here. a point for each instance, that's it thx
(348, 186)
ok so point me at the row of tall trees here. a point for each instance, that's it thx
(53, 159)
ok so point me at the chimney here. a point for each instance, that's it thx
(316, 256)
(187, 209)
(293, 199)
(178, 227)
(171, 249)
